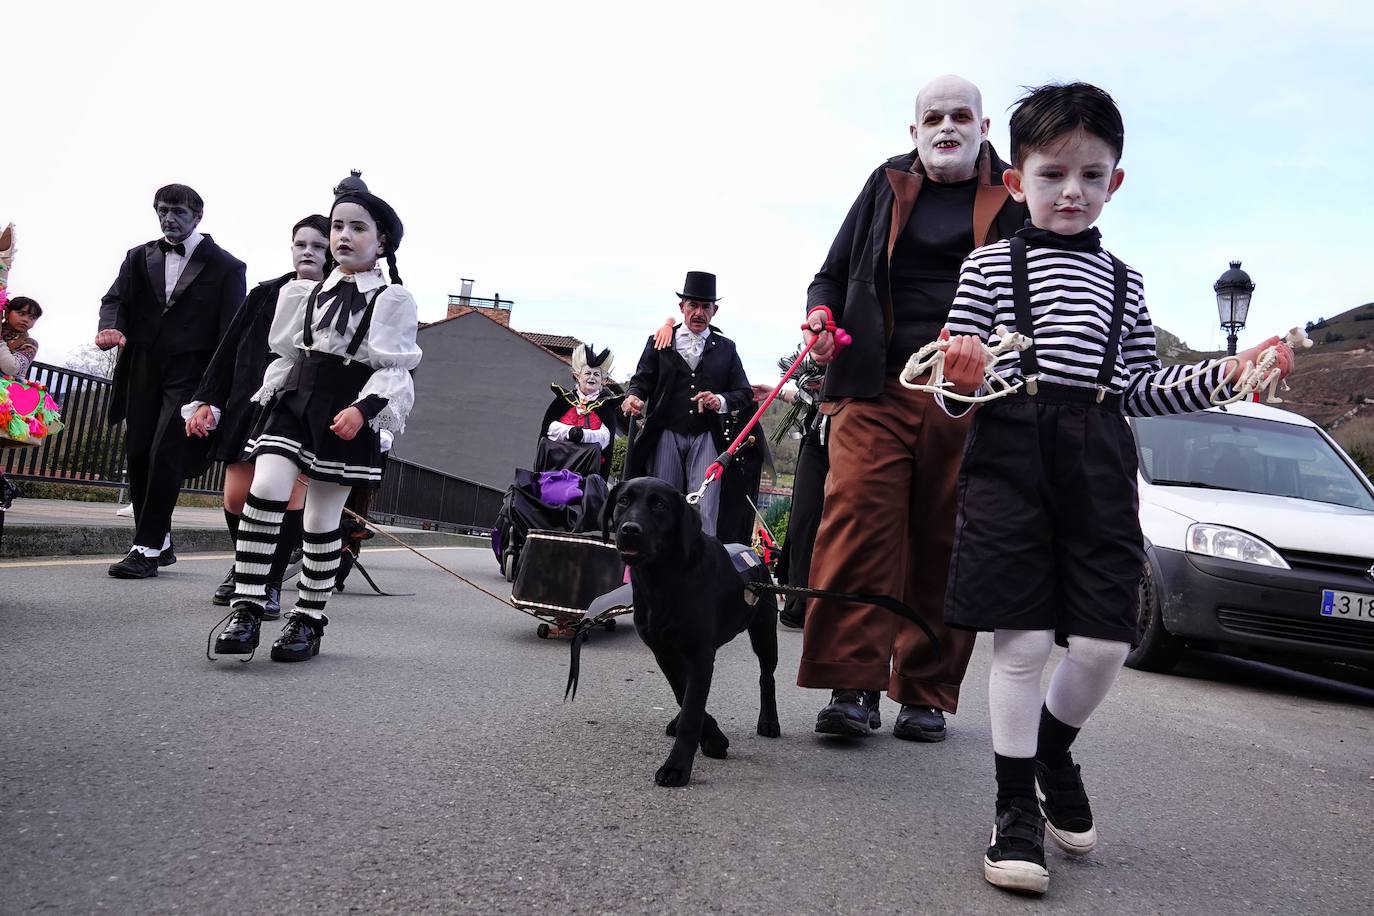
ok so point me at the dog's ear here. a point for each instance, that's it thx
(689, 528)
(608, 511)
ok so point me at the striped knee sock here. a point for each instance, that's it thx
(318, 569)
(259, 528)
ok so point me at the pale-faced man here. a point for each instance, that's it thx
(687, 389)
(888, 521)
(168, 308)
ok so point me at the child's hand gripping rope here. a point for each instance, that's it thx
(1259, 369)
(931, 358)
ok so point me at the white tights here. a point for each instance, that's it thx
(1077, 687)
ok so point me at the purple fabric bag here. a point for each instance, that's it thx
(559, 488)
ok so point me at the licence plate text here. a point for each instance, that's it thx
(1348, 605)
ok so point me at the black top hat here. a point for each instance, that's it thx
(699, 285)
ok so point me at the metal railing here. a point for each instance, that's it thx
(89, 451)
(417, 496)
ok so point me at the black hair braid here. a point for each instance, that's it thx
(391, 263)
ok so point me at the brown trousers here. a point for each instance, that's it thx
(887, 528)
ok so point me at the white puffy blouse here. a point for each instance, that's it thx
(389, 346)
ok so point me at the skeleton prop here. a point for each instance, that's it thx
(1262, 376)
(931, 358)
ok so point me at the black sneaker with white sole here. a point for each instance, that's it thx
(1015, 859)
(1068, 815)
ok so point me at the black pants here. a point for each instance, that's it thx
(808, 498)
(159, 451)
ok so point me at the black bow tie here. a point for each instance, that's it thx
(167, 247)
(348, 300)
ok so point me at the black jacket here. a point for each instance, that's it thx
(854, 279)
(660, 372)
(190, 325)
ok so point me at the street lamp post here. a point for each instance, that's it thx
(1233, 291)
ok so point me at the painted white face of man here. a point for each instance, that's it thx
(1066, 185)
(353, 238)
(177, 221)
(949, 129)
(697, 314)
(308, 250)
(590, 383)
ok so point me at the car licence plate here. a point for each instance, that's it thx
(1348, 605)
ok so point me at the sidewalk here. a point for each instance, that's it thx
(64, 527)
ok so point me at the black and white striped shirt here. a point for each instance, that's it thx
(1071, 312)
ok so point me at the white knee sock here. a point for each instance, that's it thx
(1018, 660)
(260, 526)
(321, 544)
(1082, 680)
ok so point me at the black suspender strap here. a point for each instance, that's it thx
(310, 313)
(1020, 294)
(1107, 374)
(361, 334)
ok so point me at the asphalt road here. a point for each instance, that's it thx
(425, 763)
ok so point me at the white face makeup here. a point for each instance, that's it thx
(949, 129)
(308, 250)
(353, 238)
(590, 383)
(1066, 185)
(176, 221)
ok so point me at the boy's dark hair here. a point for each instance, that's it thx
(175, 194)
(25, 304)
(314, 221)
(1047, 113)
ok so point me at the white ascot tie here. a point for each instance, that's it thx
(694, 347)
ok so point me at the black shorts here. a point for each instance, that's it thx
(1047, 535)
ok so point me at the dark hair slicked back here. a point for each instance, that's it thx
(1046, 114)
(314, 221)
(179, 194)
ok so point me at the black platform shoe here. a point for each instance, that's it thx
(224, 593)
(300, 638)
(240, 636)
(167, 557)
(271, 608)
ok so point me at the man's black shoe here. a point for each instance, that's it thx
(1015, 859)
(224, 592)
(167, 557)
(920, 723)
(271, 608)
(1068, 815)
(850, 713)
(134, 566)
(300, 638)
(240, 636)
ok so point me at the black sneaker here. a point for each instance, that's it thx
(224, 592)
(300, 638)
(1068, 815)
(271, 607)
(1015, 859)
(851, 713)
(919, 723)
(240, 635)
(134, 566)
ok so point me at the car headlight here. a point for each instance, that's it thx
(1230, 544)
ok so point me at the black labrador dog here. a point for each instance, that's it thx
(689, 601)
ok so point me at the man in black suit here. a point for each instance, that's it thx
(688, 388)
(168, 309)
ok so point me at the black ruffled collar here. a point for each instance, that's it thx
(1089, 240)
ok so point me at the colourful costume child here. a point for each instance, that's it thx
(28, 414)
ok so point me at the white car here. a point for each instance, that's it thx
(1259, 534)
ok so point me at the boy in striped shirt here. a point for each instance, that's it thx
(1047, 491)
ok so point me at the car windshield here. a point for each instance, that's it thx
(1226, 451)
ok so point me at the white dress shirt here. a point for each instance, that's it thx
(173, 264)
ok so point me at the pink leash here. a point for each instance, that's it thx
(717, 468)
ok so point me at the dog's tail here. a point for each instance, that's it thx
(886, 602)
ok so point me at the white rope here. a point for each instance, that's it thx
(931, 358)
(1262, 376)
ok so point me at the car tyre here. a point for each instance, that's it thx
(1157, 649)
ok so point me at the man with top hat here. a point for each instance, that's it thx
(683, 393)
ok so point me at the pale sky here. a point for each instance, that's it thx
(580, 158)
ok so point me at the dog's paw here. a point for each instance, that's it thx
(670, 776)
(671, 730)
(714, 744)
(769, 729)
